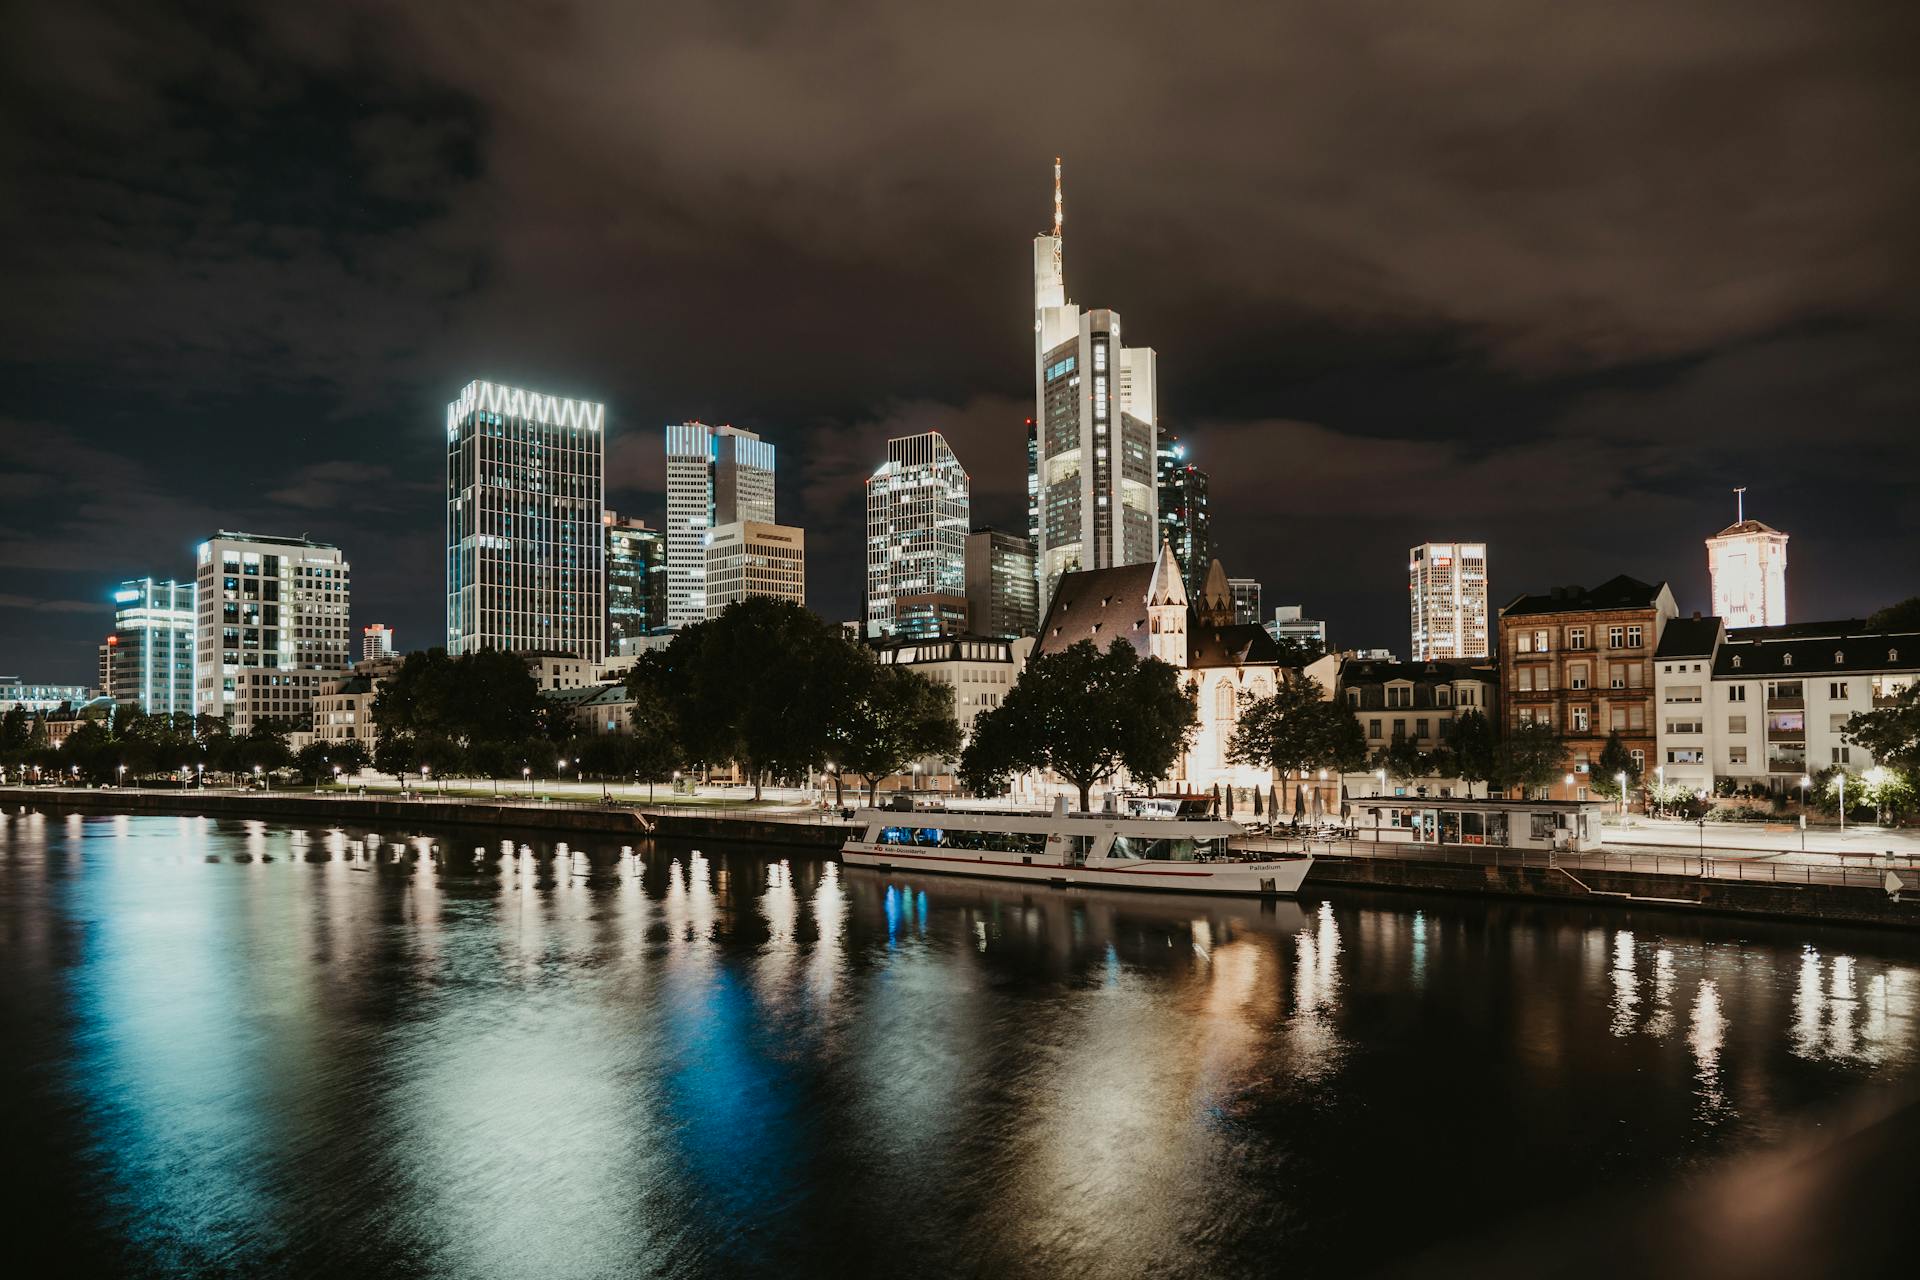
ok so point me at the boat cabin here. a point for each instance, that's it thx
(1571, 826)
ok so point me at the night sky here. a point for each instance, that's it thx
(1557, 276)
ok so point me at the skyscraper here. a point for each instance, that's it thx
(636, 580)
(376, 641)
(1246, 599)
(1447, 592)
(526, 568)
(1747, 563)
(272, 625)
(754, 558)
(1093, 467)
(715, 476)
(917, 512)
(1185, 524)
(1002, 597)
(152, 646)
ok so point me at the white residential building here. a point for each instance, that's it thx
(715, 476)
(1096, 496)
(1447, 592)
(980, 670)
(1765, 706)
(272, 625)
(754, 558)
(917, 510)
(525, 489)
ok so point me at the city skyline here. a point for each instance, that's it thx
(1588, 402)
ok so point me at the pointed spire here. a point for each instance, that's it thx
(1167, 587)
(1059, 206)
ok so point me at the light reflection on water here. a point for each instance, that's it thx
(252, 1050)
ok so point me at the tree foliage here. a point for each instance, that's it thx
(896, 716)
(1891, 734)
(1475, 749)
(472, 714)
(1614, 763)
(1531, 757)
(1904, 616)
(1296, 729)
(1086, 714)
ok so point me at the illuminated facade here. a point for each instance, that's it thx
(1747, 563)
(526, 567)
(1246, 600)
(151, 664)
(1096, 502)
(272, 625)
(917, 510)
(1447, 592)
(754, 558)
(715, 476)
(636, 580)
(376, 641)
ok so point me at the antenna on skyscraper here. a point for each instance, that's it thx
(1740, 504)
(1059, 208)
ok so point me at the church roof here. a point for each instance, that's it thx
(1747, 526)
(1242, 644)
(1097, 605)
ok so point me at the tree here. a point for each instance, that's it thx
(1904, 616)
(453, 714)
(1401, 759)
(762, 685)
(1891, 734)
(1086, 714)
(1297, 729)
(1530, 757)
(16, 731)
(1615, 763)
(898, 716)
(1474, 749)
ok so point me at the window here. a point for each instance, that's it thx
(1616, 637)
(1577, 676)
(1353, 697)
(1639, 758)
(1684, 726)
(1633, 637)
(1539, 642)
(1523, 679)
(1576, 637)
(1420, 728)
(1579, 719)
(1399, 728)
(1373, 728)
(1619, 720)
(1523, 643)
(1542, 826)
(1837, 690)
(1617, 676)
(1841, 754)
(1736, 724)
(1736, 755)
(1690, 755)
(1636, 717)
(1737, 693)
(1399, 696)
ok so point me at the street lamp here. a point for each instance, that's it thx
(426, 771)
(1380, 774)
(122, 771)
(527, 773)
(1621, 778)
(1842, 775)
(257, 777)
(1805, 782)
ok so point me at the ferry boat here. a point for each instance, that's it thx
(1108, 851)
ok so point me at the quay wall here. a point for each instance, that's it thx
(1832, 903)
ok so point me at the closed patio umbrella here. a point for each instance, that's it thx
(1256, 802)
(1229, 800)
(1299, 799)
(1273, 800)
(1216, 799)
(1319, 805)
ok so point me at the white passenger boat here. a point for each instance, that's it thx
(1109, 851)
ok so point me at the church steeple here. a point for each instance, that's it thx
(1167, 611)
(1215, 605)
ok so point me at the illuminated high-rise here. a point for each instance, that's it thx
(1447, 594)
(1093, 464)
(152, 647)
(636, 581)
(715, 476)
(526, 564)
(1747, 563)
(917, 519)
(272, 626)
(1185, 523)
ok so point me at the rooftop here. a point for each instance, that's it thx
(1621, 592)
(1689, 638)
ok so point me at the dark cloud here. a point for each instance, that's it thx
(1560, 275)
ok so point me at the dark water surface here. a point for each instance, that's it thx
(247, 1049)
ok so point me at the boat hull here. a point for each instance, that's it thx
(1274, 878)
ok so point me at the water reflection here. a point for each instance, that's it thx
(514, 1056)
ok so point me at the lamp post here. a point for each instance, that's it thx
(259, 778)
(527, 773)
(1381, 776)
(1621, 778)
(122, 771)
(1660, 785)
(1842, 775)
(1805, 782)
(426, 771)
(1876, 776)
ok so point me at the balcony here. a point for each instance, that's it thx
(1794, 703)
(1780, 733)
(1885, 700)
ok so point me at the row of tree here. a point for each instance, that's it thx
(131, 746)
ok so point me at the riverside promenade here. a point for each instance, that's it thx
(1851, 886)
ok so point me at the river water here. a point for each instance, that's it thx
(241, 1048)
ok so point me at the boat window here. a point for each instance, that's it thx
(1156, 850)
(1449, 826)
(1543, 827)
(1497, 828)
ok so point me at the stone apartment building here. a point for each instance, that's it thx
(1581, 660)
